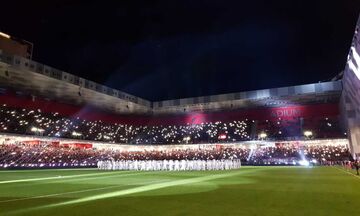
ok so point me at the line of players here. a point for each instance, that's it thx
(169, 165)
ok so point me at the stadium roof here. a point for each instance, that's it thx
(38, 79)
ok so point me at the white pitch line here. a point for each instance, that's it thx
(74, 192)
(139, 189)
(45, 170)
(348, 172)
(55, 177)
(59, 194)
(148, 188)
(100, 177)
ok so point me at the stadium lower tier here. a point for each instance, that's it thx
(15, 154)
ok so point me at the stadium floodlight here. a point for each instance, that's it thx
(222, 137)
(35, 129)
(5, 35)
(76, 134)
(262, 135)
(187, 139)
(308, 133)
(304, 163)
(356, 58)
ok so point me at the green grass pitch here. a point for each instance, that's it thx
(247, 191)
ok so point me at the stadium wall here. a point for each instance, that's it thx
(283, 96)
(350, 98)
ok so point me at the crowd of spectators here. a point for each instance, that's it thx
(22, 121)
(287, 154)
(19, 155)
(35, 122)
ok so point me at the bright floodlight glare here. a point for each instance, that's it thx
(187, 138)
(4, 35)
(34, 129)
(304, 163)
(74, 133)
(262, 135)
(354, 69)
(308, 133)
(222, 136)
(356, 58)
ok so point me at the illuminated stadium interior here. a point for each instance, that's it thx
(39, 101)
(75, 146)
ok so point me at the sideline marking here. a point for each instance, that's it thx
(139, 189)
(58, 194)
(74, 192)
(95, 177)
(44, 170)
(56, 177)
(347, 172)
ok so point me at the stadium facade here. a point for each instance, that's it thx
(329, 110)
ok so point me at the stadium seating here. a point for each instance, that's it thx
(20, 155)
(35, 122)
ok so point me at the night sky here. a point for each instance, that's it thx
(173, 49)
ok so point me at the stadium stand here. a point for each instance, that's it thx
(26, 114)
(25, 155)
(83, 110)
(35, 121)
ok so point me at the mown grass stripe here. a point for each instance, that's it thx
(78, 191)
(349, 173)
(150, 187)
(56, 177)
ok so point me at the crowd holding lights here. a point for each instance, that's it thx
(35, 122)
(20, 155)
(292, 154)
(24, 121)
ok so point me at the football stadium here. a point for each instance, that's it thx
(72, 146)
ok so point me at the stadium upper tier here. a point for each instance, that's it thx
(23, 114)
(36, 99)
(97, 112)
(37, 79)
